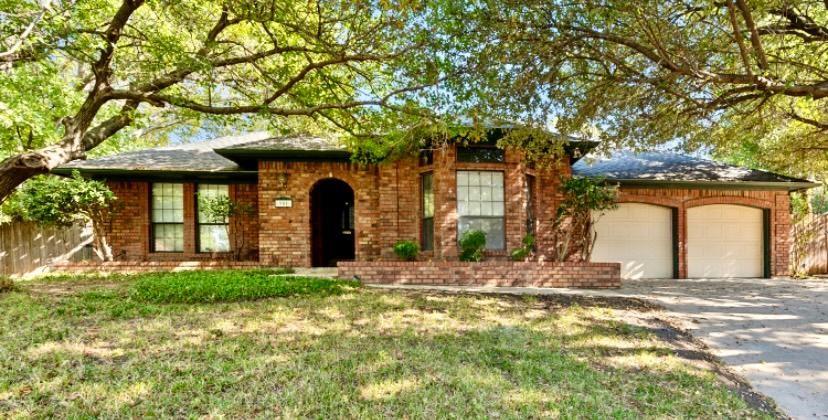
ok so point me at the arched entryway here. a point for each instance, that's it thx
(332, 222)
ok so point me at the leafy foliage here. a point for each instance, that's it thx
(472, 245)
(526, 250)
(585, 200)
(55, 200)
(110, 68)
(406, 250)
(716, 75)
(239, 214)
(61, 201)
(231, 286)
(818, 200)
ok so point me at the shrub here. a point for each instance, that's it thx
(525, 251)
(406, 250)
(585, 200)
(6, 284)
(51, 200)
(472, 245)
(230, 286)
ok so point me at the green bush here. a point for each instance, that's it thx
(520, 254)
(6, 284)
(230, 286)
(406, 250)
(472, 245)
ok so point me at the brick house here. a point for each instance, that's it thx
(678, 216)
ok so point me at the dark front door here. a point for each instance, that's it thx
(332, 222)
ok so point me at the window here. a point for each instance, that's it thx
(426, 157)
(213, 234)
(480, 154)
(427, 201)
(167, 217)
(480, 205)
(530, 204)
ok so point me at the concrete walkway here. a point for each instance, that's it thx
(773, 332)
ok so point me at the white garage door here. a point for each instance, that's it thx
(640, 237)
(724, 241)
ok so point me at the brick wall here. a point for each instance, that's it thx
(130, 230)
(388, 209)
(489, 273)
(778, 202)
(285, 233)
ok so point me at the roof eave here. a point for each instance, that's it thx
(733, 185)
(333, 155)
(122, 173)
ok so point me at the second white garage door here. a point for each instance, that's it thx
(724, 240)
(640, 237)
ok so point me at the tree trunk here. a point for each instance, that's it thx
(102, 248)
(17, 169)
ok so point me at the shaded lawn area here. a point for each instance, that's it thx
(91, 347)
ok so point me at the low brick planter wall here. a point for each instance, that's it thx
(487, 273)
(147, 266)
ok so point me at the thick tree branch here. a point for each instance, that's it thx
(818, 90)
(758, 50)
(737, 34)
(820, 125)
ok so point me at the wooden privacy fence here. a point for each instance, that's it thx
(809, 253)
(26, 248)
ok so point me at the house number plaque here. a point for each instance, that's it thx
(283, 202)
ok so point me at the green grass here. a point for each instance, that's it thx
(230, 286)
(96, 351)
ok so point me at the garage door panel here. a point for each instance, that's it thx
(639, 236)
(724, 241)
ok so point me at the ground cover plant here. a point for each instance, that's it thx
(86, 348)
(229, 286)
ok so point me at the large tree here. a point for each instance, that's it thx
(728, 74)
(74, 73)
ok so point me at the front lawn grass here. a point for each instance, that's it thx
(230, 286)
(360, 353)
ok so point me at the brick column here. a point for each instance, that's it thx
(445, 199)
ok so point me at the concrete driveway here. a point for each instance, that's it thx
(773, 332)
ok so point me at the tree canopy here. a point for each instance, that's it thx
(76, 73)
(728, 76)
(733, 77)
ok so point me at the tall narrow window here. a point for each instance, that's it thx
(213, 233)
(427, 199)
(530, 204)
(167, 217)
(480, 205)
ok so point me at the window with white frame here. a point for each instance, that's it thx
(480, 205)
(167, 217)
(213, 231)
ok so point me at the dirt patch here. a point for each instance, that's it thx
(68, 288)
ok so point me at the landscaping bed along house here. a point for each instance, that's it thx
(266, 343)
